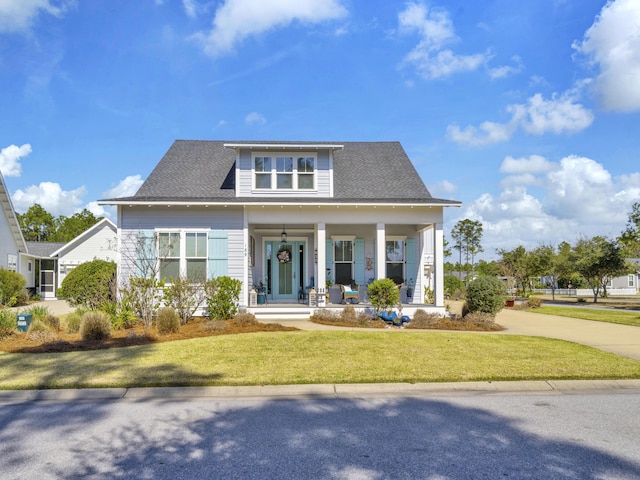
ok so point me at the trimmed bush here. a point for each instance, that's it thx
(244, 319)
(11, 287)
(73, 322)
(383, 294)
(222, 295)
(168, 321)
(534, 302)
(486, 294)
(7, 322)
(89, 284)
(185, 296)
(422, 319)
(95, 326)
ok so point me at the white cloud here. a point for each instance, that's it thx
(18, 15)
(442, 189)
(572, 197)
(507, 70)
(613, 43)
(10, 159)
(126, 188)
(559, 114)
(254, 118)
(430, 57)
(191, 8)
(236, 20)
(51, 197)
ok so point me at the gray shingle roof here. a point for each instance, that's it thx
(43, 249)
(364, 172)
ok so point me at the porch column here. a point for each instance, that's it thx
(321, 273)
(381, 270)
(438, 275)
(245, 267)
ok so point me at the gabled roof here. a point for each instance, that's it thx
(9, 212)
(364, 172)
(43, 249)
(83, 235)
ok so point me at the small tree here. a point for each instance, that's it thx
(486, 294)
(599, 259)
(185, 297)
(90, 284)
(144, 296)
(383, 294)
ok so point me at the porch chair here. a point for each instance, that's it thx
(348, 294)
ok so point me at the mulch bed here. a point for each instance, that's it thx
(138, 335)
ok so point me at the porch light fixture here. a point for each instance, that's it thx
(283, 235)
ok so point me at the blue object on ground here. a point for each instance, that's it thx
(388, 317)
(405, 319)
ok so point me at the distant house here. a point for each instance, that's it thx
(629, 283)
(286, 217)
(55, 260)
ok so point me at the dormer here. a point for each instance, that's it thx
(284, 170)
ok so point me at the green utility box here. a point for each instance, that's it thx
(24, 320)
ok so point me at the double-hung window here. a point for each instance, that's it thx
(343, 261)
(284, 173)
(182, 255)
(394, 253)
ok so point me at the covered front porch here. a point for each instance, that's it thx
(301, 264)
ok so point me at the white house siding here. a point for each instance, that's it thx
(99, 244)
(244, 175)
(27, 269)
(8, 244)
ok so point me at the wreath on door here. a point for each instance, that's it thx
(284, 255)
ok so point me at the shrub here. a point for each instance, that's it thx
(486, 294)
(142, 295)
(422, 319)
(95, 326)
(168, 321)
(89, 284)
(244, 319)
(383, 294)
(7, 322)
(481, 319)
(581, 300)
(222, 294)
(534, 302)
(11, 286)
(453, 287)
(52, 322)
(37, 325)
(73, 322)
(185, 297)
(39, 312)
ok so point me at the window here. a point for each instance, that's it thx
(343, 261)
(12, 262)
(169, 255)
(262, 167)
(394, 252)
(631, 280)
(196, 256)
(284, 172)
(306, 171)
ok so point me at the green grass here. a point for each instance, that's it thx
(317, 357)
(623, 317)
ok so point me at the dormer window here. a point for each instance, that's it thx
(284, 172)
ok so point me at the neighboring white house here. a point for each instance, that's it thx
(54, 260)
(13, 248)
(626, 284)
(283, 217)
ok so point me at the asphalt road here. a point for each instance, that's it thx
(517, 436)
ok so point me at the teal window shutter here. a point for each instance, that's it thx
(146, 255)
(359, 261)
(411, 265)
(329, 254)
(218, 260)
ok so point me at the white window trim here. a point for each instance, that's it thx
(182, 257)
(396, 238)
(274, 173)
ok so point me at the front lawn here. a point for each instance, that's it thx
(623, 317)
(304, 357)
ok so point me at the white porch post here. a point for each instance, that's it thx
(245, 266)
(438, 274)
(321, 273)
(381, 270)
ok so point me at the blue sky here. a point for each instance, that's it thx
(528, 112)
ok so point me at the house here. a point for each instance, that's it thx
(285, 218)
(13, 248)
(626, 284)
(54, 260)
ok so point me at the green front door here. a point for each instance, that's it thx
(287, 269)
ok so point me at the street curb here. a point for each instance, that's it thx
(324, 391)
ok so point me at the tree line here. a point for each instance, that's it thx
(38, 225)
(590, 262)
